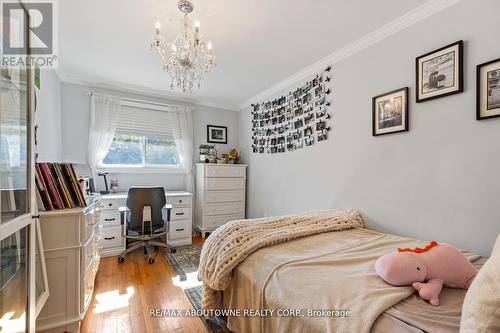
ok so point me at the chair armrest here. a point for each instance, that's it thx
(166, 213)
(123, 211)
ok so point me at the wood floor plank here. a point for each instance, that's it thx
(125, 293)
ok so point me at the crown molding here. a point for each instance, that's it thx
(142, 91)
(418, 14)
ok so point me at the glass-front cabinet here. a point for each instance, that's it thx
(23, 282)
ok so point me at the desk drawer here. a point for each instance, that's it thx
(224, 208)
(180, 214)
(179, 229)
(225, 183)
(111, 237)
(112, 203)
(110, 217)
(225, 171)
(217, 221)
(225, 196)
(180, 201)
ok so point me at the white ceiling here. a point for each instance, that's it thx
(257, 42)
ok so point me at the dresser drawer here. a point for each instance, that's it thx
(180, 213)
(179, 229)
(225, 171)
(224, 208)
(88, 224)
(111, 237)
(217, 221)
(225, 196)
(180, 201)
(110, 217)
(88, 254)
(225, 183)
(87, 286)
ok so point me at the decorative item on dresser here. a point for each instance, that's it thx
(71, 247)
(220, 195)
(180, 230)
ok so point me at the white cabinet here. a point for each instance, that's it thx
(180, 229)
(71, 246)
(220, 195)
(112, 242)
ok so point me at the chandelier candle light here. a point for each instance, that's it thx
(186, 58)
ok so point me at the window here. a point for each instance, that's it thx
(144, 138)
(135, 150)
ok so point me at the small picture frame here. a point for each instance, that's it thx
(390, 112)
(488, 90)
(440, 73)
(216, 134)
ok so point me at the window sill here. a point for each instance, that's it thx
(167, 170)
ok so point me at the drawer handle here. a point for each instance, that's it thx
(110, 204)
(180, 201)
(179, 214)
(179, 229)
(109, 220)
(109, 238)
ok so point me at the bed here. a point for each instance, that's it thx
(303, 277)
(330, 270)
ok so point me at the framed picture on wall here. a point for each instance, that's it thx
(216, 134)
(390, 112)
(440, 73)
(488, 90)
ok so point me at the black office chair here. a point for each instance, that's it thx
(145, 218)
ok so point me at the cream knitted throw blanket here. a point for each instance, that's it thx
(233, 242)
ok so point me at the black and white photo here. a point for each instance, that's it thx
(440, 73)
(320, 125)
(308, 118)
(488, 90)
(216, 134)
(390, 112)
(322, 135)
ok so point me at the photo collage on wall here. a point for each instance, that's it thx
(292, 122)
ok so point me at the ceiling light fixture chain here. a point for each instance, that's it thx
(186, 58)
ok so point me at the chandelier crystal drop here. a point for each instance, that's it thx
(186, 58)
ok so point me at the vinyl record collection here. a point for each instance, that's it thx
(290, 122)
(57, 186)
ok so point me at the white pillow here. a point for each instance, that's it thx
(481, 309)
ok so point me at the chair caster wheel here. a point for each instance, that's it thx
(121, 260)
(151, 260)
(173, 250)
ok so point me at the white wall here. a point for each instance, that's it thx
(48, 116)
(75, 132)
(439, 181)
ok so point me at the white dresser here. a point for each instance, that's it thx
(71, 246)
(220, 195)
(180, 228)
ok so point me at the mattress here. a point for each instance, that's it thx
(297, 275)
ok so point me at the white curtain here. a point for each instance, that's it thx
(103, 120)
(182, 117)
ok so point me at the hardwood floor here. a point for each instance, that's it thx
(124, 294)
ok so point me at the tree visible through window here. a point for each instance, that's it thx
(137, 151)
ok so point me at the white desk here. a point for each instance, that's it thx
(180, 228)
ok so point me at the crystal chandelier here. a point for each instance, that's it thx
(186, 58)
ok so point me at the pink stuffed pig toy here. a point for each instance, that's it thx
(427, 269)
